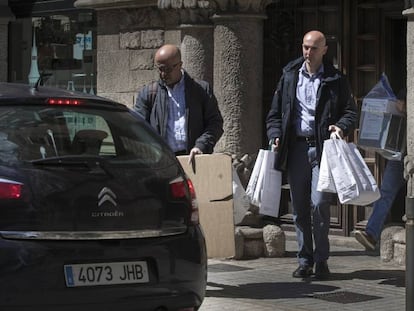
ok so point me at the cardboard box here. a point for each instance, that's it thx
(213, 182)
(382, 128)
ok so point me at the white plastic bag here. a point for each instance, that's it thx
(325, 181)
(265, 184)
(254, 178)
(351, 176)
(241, 201)
(366, 184)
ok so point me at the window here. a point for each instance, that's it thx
(55, 41)
(66, 50)
(35, 132)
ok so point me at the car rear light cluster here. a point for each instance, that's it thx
(63, 101)
(10, 189)
(178, 188)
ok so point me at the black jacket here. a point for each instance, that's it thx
(203, 117)
(334, 105)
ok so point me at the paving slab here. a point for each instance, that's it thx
(359, 281)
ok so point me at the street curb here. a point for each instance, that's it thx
(340, 241)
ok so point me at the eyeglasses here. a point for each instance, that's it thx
(167, 69)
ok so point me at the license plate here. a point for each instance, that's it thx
(108, 273)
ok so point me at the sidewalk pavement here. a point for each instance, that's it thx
(359, 281)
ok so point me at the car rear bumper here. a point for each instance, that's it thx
(32, 274)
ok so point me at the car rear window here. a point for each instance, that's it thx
(33, 132)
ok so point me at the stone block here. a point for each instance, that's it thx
(249, 242)
(108, 42)
(399, 237)
(274, 241)
(252, 220)
(113, 71)
(152, 39)
(253, 248)
(387, 242)
(239, 244)
(172, 37)
(130, 40)
(142, 60)
(251, 233)
(143, 18)
(399, 254)
(269, 241)
(138, 78)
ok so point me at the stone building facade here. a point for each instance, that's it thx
(239, 46)
(221, 42)
(409, 13)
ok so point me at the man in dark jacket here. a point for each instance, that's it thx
(182, 110)
(312, 100)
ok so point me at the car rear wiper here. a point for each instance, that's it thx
(73, 162)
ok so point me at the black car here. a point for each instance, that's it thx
(96, 212)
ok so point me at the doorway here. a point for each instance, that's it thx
(365, 38)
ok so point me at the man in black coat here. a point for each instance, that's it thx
(312, 100)
(183, 110)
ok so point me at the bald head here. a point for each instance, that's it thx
(168, 62)
(313, 49)
(316, 36)
(167, 53)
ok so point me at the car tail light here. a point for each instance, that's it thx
(63, 101)
(178, 191)
(10, 189)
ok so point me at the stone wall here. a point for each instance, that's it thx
(392, 246)
(221, 42)
(125, 51)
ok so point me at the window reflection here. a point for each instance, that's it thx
(66, 50)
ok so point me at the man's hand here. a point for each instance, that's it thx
(337, 130)
(193, 152)
(275, 144)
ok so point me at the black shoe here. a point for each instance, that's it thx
(365, 239)
(321, 270)
(303, 271)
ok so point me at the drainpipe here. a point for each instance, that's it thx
(409, 257)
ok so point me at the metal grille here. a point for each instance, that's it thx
(345, 297)
(216, 268)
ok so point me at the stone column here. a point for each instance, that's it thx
(197, 50)
(196, 36)
(409, 163)
(238, 74)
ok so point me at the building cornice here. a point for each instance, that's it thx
(256, 6)
(234, 6)
(114, 4)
